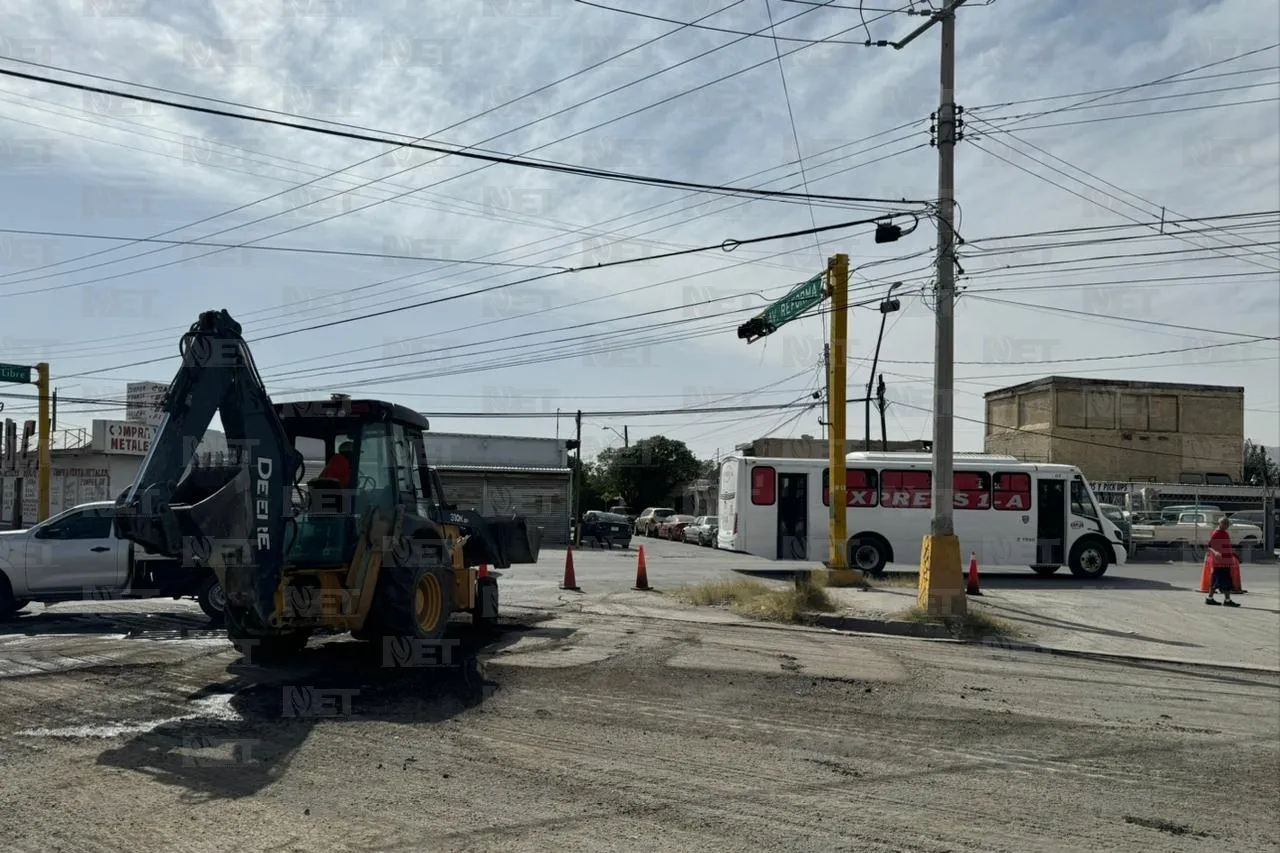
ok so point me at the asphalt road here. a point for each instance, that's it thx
(608, 733)
(671, 564)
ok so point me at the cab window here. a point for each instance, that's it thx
(1081, 503)
(87, 524)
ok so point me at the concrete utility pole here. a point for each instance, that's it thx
(941, 585)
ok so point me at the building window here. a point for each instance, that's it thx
(972, 490)
(906, 489)
(1011, 492)
(764, 482)
(860, 485)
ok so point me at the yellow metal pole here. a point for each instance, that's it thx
(44, 458)
(838, 571)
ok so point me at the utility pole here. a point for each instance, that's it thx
(577, 479)
(887, 307)
(838, 571)
(941, 584)
(884, 436)
(44, 456)
(626, 440)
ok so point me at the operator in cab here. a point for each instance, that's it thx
(339, 467)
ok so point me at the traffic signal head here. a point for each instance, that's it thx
(756, 327)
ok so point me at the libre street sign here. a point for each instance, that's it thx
(15, 373)
(801, 298)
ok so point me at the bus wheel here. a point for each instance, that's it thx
(868, 555)
(1088, 559)
(1045, 571)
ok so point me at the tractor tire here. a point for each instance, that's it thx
(412, 602)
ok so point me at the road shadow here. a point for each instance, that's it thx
(1018, 614)
(235, 736)
(188, 626)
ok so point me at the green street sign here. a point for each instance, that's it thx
(15, 373)
(801, 298)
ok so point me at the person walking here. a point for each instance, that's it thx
(1220, 549)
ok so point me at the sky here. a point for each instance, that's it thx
(1055, 139)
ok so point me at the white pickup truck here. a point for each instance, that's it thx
(77, 555)
(1193, 528)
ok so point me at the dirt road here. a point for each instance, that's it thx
(612, 734)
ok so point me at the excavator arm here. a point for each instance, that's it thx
(237, 513)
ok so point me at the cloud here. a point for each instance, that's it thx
(101, 164)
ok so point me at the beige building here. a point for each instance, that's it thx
(1163, 432)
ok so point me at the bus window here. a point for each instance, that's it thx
(763, 485)
(860, 485)
(972, 490)
(906, 489)
(1011, 492)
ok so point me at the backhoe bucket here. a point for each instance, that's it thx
(218, 531)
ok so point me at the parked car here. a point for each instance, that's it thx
(626, 511)
(702, 531)
(78, 555)
(672, 527)
(606, 528)
(1256, 517)
(647, 523)
(1193, 529)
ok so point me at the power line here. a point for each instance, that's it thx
(510, 160)
(1135, 320)
(1121, 89)
(331, 173)
(451, 297)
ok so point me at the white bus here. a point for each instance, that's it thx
(1010, 513)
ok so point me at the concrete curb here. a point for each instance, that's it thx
(1007, 645)
(890, 627)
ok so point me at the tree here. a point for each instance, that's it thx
(592, 485)
(1260, 467)
(645, 473)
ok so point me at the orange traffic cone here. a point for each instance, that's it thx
(642, 573)
(972, 587)
(1206, 573)
(569, 582)
(483, 571)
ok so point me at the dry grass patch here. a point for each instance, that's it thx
(974, 625)
(760, 601)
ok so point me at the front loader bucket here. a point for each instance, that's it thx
(519, 542)
(497, 541)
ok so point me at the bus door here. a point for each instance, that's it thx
(1051, 522)
(793, 516)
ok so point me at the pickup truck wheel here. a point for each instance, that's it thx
(8, 606)
(212, 599)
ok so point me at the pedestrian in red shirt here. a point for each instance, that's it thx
(1220, 549)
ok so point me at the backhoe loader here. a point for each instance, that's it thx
(370, 547)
